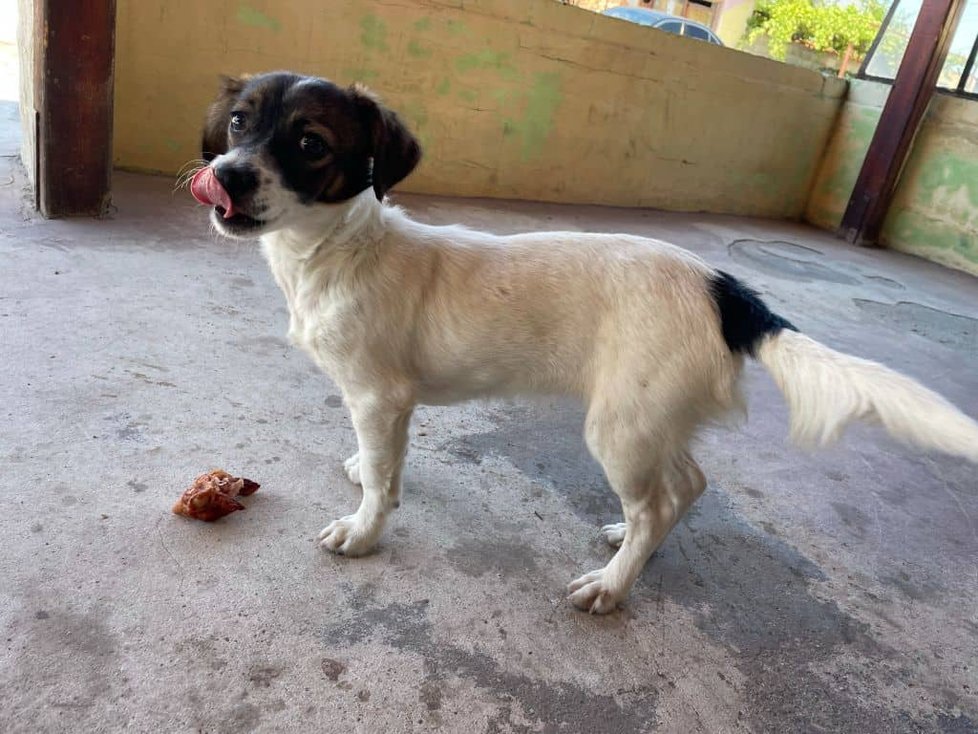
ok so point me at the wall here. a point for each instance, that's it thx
(9, 55)
(522, 99)
(732, 23)
(25, 49)
(935, 211)
(935, 208)
(798, 54)
(844, 154)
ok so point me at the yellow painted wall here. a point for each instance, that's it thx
(525, 99)
(935, 207)
(733, 21)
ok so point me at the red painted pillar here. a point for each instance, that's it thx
(73, 95)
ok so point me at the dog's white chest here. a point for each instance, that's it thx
(320, 319)
(325, 327)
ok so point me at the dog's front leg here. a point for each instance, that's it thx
(382, 434)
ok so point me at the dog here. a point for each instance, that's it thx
(647, 335)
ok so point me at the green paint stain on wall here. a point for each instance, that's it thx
(444, 87)
(456, 27)
(946, 173)
(536, 124)
(423, 24)
(416, 113)
(467, 95)
(936, 212)
(255, 18)
(844, 158)
(172, 144)
(859, 133)
(373, 33)
(911, 231)
(488, 60)
(359, 74)
(417, 118)
(863, 125)
(418, 51)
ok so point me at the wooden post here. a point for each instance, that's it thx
(845, 61)
(912, 90)
(74, 56)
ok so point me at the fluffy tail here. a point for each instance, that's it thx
(826, 390)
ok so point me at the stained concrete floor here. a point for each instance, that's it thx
(831, 592)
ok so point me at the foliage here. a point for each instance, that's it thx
(820, 26)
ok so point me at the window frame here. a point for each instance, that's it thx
(671, 21)
(958, 91)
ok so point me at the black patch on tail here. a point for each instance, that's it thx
(744, 318)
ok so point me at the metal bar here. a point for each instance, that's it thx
(876, 41)
(968, 65)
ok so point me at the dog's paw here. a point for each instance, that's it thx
(614, 534)
(352, 467)
(348, 536)
(589, 594)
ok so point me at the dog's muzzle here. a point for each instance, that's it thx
(208, 190)
(221, 187)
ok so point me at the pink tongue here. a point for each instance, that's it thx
(208, 190)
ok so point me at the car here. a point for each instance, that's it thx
(665, 22)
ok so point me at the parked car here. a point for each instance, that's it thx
(665, 22)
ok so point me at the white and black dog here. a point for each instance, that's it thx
(651, 338)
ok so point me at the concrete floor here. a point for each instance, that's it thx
(831, 592)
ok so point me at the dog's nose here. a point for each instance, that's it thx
(237, 179)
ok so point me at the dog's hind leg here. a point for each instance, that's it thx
(614, 533)
(656, 488)
(382, 434)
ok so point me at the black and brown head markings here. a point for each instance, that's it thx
(327, 143)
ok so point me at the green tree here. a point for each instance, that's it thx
(820, 26)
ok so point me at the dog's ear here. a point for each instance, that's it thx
(395, 150)
(215, 137)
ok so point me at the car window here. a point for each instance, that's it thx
(634, 15)
(671, 26)
(696, 32)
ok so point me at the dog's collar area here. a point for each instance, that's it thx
(368, 177)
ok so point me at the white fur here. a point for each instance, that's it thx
(400, 313)
(826, 390)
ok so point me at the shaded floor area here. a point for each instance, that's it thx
(828, 592)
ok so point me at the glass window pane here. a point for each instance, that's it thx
(694, 32)
(670, 27)
(957, 55)
(886, 59)
(889, 52)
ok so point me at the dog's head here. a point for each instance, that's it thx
(278, 143)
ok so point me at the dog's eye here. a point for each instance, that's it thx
(238, 121)
(312, 146)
